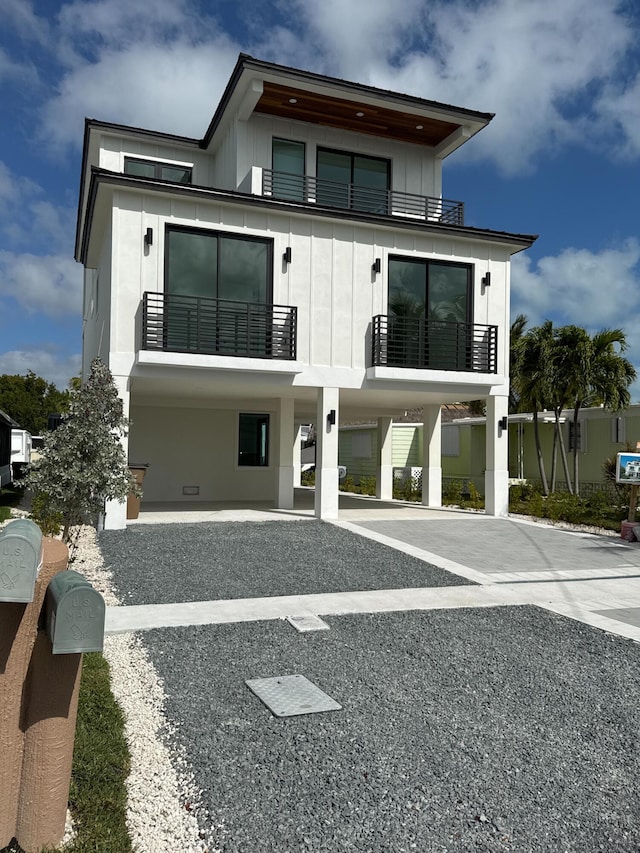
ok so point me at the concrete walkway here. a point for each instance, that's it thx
(592, 578)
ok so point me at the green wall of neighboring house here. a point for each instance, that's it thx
(463, 458)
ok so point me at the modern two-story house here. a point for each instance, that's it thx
(297, 264)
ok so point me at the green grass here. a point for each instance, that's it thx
(98, 795)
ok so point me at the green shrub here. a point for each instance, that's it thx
(476, 500)
(5, 513)
(348, 484)
(308, 478)
(48, 519)
(367, 486)
(452, 493)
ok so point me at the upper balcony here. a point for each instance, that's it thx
(341, 196)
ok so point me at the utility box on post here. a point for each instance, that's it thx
(74, 615)
(20, 560)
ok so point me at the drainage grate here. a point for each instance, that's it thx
(291, 695)
(307, 622)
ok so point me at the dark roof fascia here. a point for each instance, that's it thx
(103, 176)
(245, 61)
(7, 419)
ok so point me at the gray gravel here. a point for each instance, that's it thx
(496, 730)
(158, 564)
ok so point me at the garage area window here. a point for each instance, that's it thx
(157, 170)
(253, 440)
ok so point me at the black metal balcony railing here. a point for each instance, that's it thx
(312, 190)
(434, 344)
(176, 323)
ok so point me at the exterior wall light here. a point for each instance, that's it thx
(331, 417)
(376, 266)
(148, 238)
(503, 423)
(486, 281)
(286, 257)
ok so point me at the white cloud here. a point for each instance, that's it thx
(174, 88)
(46, 284)
(596, 290)
(51, 365)
(591, 289)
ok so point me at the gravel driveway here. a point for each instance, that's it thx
(162, 563)
(499, 729)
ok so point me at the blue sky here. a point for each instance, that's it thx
(561, 158)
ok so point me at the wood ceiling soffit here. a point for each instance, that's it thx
(341, 114)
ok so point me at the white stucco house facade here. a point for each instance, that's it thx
(297, 264)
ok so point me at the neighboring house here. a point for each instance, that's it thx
(6, 425)
(601, 435)
(297, 264)
(21, 446)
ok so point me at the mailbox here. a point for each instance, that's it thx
(74, 614)
(20, 560)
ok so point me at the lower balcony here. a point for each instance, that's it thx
(434, 344)
(194, 324)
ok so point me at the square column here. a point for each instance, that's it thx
(384, 479)
(496, 478)
(431, 457)
(297, 451)
(326, 498)
(116, 511)
(286, 441)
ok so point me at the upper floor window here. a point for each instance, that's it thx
(159, 171)
(218, 265)
(288, 163)
(353, 181)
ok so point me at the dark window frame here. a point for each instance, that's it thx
(470, 268)
(265, 419)
(353, 155)
(214, 232)
(158, 165)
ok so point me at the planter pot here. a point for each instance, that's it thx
(133, 503)
(627, 530)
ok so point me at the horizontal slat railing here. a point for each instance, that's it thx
(434, 344)
(312, 190)
(176, 323)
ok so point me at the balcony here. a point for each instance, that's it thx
(193, 324)
(434, 344)
(311, 190)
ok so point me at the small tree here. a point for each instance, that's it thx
(83, 462)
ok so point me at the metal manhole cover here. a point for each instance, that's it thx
(291, 695)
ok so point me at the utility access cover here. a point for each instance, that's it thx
(291, 695)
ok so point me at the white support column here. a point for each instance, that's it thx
(384, 479)
(297, 450)
(431, 457)
(286, 440)
(326, 498)
(116, 511)
(496, 478)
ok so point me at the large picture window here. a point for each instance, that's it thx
(218, 292)
(253, 440)
(352, 180)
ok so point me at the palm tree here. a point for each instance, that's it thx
(531, 381)
(516, 335)
(600, 374)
